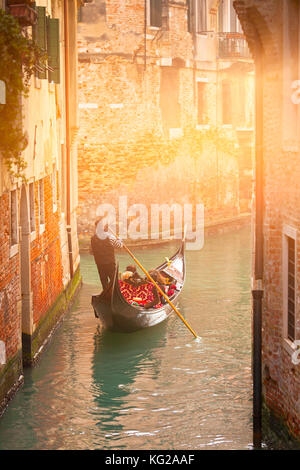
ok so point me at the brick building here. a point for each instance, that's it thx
(39, 256)
(272, 29)
(157, 80)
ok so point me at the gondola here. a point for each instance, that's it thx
(122, 314)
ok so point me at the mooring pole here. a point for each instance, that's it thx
(257, 288)
(257, 368)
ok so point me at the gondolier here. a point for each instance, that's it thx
(103, 246)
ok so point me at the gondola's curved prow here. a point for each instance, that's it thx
(118, 314)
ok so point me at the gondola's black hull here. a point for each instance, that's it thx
(116, 314)
(128, 320)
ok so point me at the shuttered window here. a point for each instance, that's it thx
(39, 31)
(46, 36)
(53, 50)
(156, 13)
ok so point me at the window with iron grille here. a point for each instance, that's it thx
(289, 270)
(291, 288)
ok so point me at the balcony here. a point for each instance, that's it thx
(24, 12)
(233, 46)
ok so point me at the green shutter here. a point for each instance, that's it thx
(53, 49)
(39, 34)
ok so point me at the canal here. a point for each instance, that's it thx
(154, 389)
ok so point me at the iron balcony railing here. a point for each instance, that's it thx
(233, 45)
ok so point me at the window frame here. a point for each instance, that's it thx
(31, 190)
(227, 108)
(227, 9)
(194, 19)
(149, 18)
(54, 188)
(199, 27)
(41, 205)
(288, 232)
(202, 84)
(13, 224)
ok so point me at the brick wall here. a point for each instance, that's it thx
(10, 295)
(263, 23)
(127, 110)
(46, 265)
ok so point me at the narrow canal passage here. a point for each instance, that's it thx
(155, 389)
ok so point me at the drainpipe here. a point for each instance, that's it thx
(257, 288)
(68, 143)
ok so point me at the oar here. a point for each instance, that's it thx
(157, 286)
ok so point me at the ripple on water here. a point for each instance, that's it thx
(159, 388)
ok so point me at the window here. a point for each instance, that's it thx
(13, 218)
(169, 98)
(291, 288)
(53, 50)
(39, 35)
(46, 35)
(62, 182)
(226, 102)
(155, 13)
(32, 207)
(189, 15)
(54, 188)
(228, 20)
(197, 16)
(201, 16)
(41, 202)
(242, 93)
(201, 103)
(289, 280)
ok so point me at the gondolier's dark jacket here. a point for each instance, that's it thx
(103, 250)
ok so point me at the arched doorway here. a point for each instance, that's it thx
(27, 320)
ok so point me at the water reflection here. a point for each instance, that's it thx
(118, 359)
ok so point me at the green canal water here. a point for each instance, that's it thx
(153, 389)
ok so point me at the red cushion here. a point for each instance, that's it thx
(144, 292)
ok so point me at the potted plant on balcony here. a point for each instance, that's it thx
(24, 11)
